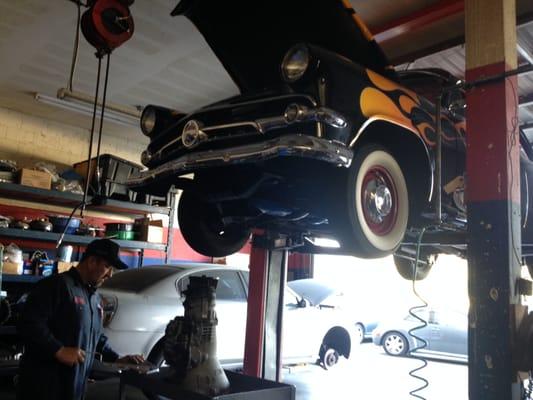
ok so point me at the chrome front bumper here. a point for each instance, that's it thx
(297, 145)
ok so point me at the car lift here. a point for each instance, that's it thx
(268, 276)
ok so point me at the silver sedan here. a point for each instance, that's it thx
(138, 304)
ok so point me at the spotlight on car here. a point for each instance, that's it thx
(148, 119)
(146, 156)
(295, 63)
(294, 112)
(154, 119)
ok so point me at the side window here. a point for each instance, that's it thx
(229, 284)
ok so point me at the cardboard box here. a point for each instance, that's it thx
(63, 266)
(34, 178)
(149, 231)
(12, 268)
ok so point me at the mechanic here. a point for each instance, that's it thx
(61, 328)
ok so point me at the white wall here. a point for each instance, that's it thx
(28, 139)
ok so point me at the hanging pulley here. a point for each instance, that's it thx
(107, 24)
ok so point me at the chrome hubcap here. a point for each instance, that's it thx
(394, 344)
(379, 201)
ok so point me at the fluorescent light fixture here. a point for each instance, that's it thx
(82, 104)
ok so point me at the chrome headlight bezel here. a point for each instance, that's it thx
(155, 119)
(295, 63)
(148, 120)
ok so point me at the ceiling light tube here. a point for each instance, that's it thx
(68, 95)
(110, 115)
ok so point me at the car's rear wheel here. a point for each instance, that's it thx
(202, 228)
(377, 204)
(395, 344)
(406, 267)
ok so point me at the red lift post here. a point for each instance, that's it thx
(493, 198)
(268, 276)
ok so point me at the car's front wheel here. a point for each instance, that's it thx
(359, 332)
(202, 228)
(376, 210)
(329, 358)
(395, 344)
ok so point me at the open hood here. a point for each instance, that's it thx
(251, 37)
(312, 290)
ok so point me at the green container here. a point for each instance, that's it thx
(120, 235)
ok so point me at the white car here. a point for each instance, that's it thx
(139, 304)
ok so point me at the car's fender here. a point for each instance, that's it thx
(404, 142)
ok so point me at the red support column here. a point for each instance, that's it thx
(255, 323)
(493, 198)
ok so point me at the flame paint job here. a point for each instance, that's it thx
(402, 106)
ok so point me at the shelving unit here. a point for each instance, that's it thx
(67, 199)
(71, 200)
(76, 239)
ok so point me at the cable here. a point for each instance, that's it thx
(412, 373)
(76, 47)
(62, 236)
(97, 170)
(91, 140)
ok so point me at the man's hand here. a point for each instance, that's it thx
(70, 356)
(131, 359)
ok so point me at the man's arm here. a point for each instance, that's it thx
(33, 325)
(103, 347)
(109, 355)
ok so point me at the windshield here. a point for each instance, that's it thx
(137, 280)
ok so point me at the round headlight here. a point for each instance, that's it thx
(295, 63)
(148, 120)
(146, 157)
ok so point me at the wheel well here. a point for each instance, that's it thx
(409, 151)
(158, 347)
(339, 339)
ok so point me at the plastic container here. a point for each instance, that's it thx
(120, 235)
(59, 222)
(115, 172)
(64, 253)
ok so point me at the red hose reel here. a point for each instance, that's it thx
(107, 24)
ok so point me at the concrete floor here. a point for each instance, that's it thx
(369, 374)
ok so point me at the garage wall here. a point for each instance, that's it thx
(28, 139)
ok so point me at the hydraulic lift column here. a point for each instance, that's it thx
(493, 193)
(268, 275)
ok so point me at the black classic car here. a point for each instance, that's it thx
(325, 140)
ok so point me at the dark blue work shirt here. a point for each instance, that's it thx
(61, 311)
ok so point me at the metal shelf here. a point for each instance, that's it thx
(21, 278)
(67, 199)
(76, 239)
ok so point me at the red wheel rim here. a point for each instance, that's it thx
(379, 200)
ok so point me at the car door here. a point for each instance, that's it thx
(231, 308)
(453, 333)
(302, 324)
